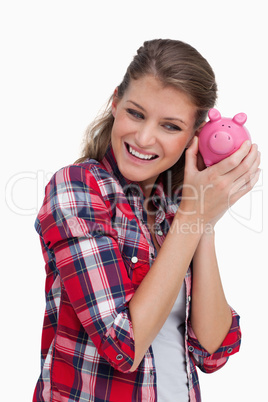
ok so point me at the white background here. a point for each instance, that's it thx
(60, 61)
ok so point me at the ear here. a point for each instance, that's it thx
(115, 101)
(214, 115)
(240, 118)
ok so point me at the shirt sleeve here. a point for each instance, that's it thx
(209, 363)
(75, 223)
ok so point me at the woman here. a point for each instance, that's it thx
(134, 296)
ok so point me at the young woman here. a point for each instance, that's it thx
(133, 290)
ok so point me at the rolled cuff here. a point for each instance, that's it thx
(211, 362)
(118, 346)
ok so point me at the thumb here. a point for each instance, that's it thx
(191, 154)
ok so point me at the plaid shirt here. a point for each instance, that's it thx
(97, 249)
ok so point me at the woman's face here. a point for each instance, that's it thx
(152, 126)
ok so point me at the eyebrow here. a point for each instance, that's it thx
(165, 118)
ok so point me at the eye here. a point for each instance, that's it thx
(135, 114)
(172, 127)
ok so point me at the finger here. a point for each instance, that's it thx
(191, 155)
(242, 187)
(247, 176)
(248, 166)
(232, 161)
(253, 180)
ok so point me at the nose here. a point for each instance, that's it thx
(145, 136)
(221, 143)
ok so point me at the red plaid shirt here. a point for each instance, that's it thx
(97, 249)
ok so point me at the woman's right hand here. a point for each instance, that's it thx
(207, 194)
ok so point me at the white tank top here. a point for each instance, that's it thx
(169, 353)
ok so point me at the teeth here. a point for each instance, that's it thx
(138, 155)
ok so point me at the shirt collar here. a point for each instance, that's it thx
(111, 166)
(161, 200)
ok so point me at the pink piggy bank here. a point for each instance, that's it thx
(221, 136)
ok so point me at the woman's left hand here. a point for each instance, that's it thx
(218, 187)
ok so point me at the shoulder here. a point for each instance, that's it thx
(89, 172)
(89, 179)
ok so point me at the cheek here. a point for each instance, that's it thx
(119, 128)
(175, 148)
(115, 134)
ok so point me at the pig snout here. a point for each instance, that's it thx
(221, 143)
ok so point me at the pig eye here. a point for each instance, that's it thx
(229, 126)
(222, 125)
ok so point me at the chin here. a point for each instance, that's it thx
(132, 176)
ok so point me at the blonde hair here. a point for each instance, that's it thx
(175, 64)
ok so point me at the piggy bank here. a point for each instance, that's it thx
(221, 136)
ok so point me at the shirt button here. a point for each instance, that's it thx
(160, 233)
(152, 255)
(191, 348)
(119, 357)
(134, 260)
(229, 350)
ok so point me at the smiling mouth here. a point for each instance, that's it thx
(138, 155)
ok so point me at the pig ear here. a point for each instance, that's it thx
(214, 115)
(240, 118)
